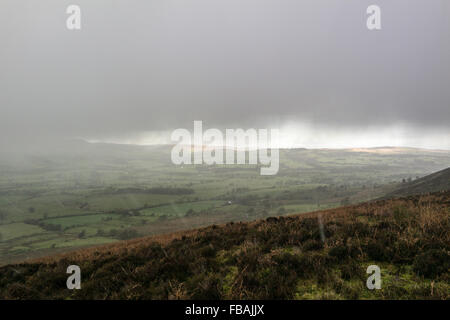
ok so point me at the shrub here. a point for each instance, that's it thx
(432, 263)
(339, 252)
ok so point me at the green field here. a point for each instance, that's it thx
(17, 230)
(181, 209)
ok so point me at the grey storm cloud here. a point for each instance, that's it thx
(160, 64)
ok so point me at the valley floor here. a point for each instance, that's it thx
(319, 255)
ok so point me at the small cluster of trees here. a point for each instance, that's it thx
(2, 216)
(45, 226)
(157, 190)
(118, 234)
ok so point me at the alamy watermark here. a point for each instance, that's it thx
(236, 146)
(74, 281)
(374, 280)
(73, 21)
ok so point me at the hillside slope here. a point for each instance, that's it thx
(438, 181)
(320, 255)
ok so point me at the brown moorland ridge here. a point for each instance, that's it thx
(322, 254)
(438, 181)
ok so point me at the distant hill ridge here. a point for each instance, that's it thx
(438, 181)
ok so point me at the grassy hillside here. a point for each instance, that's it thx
(320, 255)
(79, 194)
(438, 181)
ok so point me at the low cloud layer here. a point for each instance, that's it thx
(153, 66)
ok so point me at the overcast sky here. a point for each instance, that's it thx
(308, 67)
